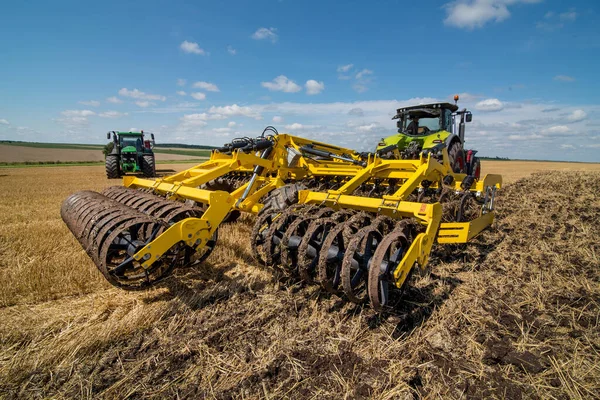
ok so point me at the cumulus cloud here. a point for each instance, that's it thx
(363, 73)
(112, 114)
(294, 127)
(577, 115)
(211, 87)
(181, 93)
(557, 130)
(282, 84)
(345, 68)
(471, 14)
(277, 119)
(567, 146)
(564, 78)
(266, 34)
(314, 87)
(233, 111)
(138, 94)
(489, 105)
(231, 50)
(91, 103)
(144, 103)
(4, 122)
(368, 128)
(191, 48)
(78, 113)
(114, 100)
(231, 124)
(181, 82)
(358, 112)
(198, 95)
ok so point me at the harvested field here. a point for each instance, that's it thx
(14, 154)
(515, 314)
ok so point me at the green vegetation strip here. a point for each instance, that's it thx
(36, 164)
(99, 147)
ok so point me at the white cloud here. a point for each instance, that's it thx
(364, 72)
(345, 68)
(191, 48)
(194, 119)
(277, 119)
(294, 127)
(231, 50)
(222, 130)
(144, 103)
(489, 105)
(471, 14)
(564, 78)
(114, 100)
(78, 113)
(356, 112)
(232, 111)
(568, 16)
(91, 103)
(112, 114)
(4, 122)
(198, 95)
(211, 87)
(368, 128)
(266, 34)
(231, 124)
(314, 87)
(567, 146)
(181, 93)
(181, 82)
(282, 84)
(577, 115)
(557, 130)
(138, 94)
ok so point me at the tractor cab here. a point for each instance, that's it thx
(425, 126)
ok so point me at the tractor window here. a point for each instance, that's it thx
(432, 123)
(447, 120)
(128, 141)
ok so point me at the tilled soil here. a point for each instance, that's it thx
(514, 314)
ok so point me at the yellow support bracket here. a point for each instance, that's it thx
(194, 232)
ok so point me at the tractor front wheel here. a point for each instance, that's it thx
(148, 166)
(112, 166)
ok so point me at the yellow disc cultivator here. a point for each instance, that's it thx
(137, 234)
(355, 224)
(366, 246)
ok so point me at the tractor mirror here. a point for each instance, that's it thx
(108, 135)
(152, 136)
(469, 117)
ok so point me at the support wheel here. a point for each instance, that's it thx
(355, 266)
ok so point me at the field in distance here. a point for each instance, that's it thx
(50, 152)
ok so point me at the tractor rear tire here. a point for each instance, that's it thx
(456, 156)
(112, 166)
(476, 168)
(148, 166)
(281, 198)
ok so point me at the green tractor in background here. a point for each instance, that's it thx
(130, 154)
(426, 126)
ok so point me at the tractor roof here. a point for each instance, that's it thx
(130, 133)
(425, 110)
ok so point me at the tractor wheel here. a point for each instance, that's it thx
(148, 166)
(282, 198)
(112, 166)
(456, 156)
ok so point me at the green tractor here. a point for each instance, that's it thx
(130, 154)
(426, 126)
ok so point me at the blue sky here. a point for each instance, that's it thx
(206, 72)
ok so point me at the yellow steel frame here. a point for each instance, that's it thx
(412, 173)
